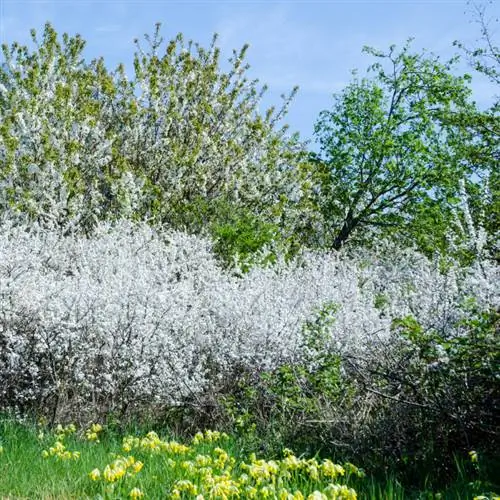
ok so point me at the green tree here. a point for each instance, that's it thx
(388, 161)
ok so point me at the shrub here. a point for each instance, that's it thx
(135, 322)
(81, 144)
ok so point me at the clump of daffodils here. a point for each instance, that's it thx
(120, 468)
(58, 449)
(63, 432)
(136, 493)
(152, 443)
(208, 437)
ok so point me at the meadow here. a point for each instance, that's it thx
(67, 462)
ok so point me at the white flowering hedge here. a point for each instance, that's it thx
(133, 318)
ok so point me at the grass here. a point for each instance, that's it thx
(67, 463)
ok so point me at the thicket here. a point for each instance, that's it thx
(170, 252)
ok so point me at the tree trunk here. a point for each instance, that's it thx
(345, 232)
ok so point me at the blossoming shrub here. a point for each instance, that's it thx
(80, 143)
(411, 405)
(135, 319)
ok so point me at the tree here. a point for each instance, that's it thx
(486, 57)
(483, 127)
(388, 162)
(80, 143)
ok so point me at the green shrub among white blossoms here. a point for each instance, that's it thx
(133, 318)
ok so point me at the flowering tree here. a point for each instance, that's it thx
(79, 143)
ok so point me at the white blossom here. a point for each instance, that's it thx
(134, 315)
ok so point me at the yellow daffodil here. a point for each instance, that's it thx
(137, 466)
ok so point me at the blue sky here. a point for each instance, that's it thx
(314, 44)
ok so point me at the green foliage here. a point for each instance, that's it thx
(388, 162)
(242, 234)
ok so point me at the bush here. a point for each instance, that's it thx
(138, 323)
(81, 144)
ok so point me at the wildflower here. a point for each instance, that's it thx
(198, 438)
(251, 492)
(96, 428)
(340, 491)
(135, 493)
(208, 437)
(137, 466)
(329, 469)
(313, 472)
(174, 447)
(187, 486)
(292, 462)
(284, 494)
(267, 491)
(262, 470)
(222, 459)
(114, 472)
(92, 436)
(95, 474)
(473, 456)
(352, 469)
(317, 495)
(203, 460)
